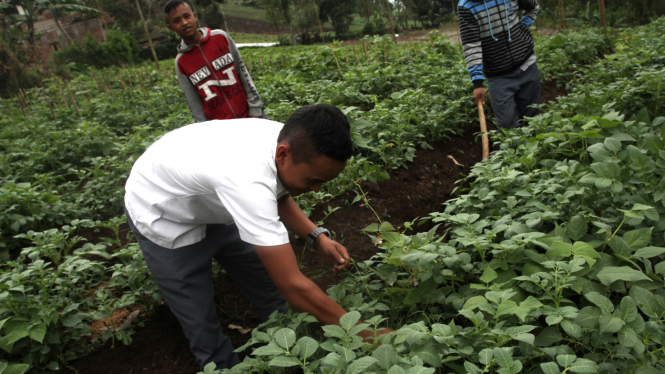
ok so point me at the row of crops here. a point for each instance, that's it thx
(550, 262)
(461, 300)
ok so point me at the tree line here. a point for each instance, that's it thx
(306, 20)
(378, 16)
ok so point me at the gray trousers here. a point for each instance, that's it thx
(184, 276)
(511, 94)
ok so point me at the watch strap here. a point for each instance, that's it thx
(311, 238)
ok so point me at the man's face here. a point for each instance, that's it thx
(182, 21)
(299, 178)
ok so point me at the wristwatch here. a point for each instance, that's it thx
(311, 238)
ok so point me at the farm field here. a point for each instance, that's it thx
(546, 258)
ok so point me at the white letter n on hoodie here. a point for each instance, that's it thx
(229, 81)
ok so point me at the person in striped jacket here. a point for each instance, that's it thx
(498, 45)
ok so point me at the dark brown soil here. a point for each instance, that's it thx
(161, 348)
(551, 92)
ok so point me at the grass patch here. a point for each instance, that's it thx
(234, 9)
(241, 37)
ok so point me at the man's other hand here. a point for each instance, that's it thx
(479, 95)
(333, 252)
(369, 337)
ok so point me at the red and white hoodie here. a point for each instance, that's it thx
(214, 79)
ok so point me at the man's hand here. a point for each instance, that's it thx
(369, 337)
(333, 252)
(479, 95)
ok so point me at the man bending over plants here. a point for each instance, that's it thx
(499, 44)
(210, 71)
(224, 192)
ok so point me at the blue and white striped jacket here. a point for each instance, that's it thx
(495, 40)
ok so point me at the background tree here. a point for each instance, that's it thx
(284, 7)
(402, 13)
(431, 13)
(272, 13)
(339, 13)
(366, 9)
(211, 16)
(304, 16)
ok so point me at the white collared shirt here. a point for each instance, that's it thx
(208, 173)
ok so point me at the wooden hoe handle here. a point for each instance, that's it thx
(483, 128)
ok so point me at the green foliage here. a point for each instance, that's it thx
(119, 48)
(551, 261)
(568, 51)
(339, 13)
(59, 171)
(52, 292)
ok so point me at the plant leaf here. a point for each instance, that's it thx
(349, 320)
(627, 337)
(611, 274)
(284, 361)
(285, 337)
(360, 365)
(550, 368)
(648, 252)
(38, 332)
(577, 228)
(396, 369)
(585, 251)
(571, 328)
(600, 301)
(559, 249)
(472, 303)
(610, 323)
(547, 337)
(565, 360)
(268, 350)
(308, 346)
(582, 365)
(503, 357)
(385, 355)
(637, 239)
(646, 301)
(485, 356)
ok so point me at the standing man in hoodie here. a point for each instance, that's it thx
(498, 45)
(210, 71)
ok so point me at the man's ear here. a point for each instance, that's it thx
(282, 153)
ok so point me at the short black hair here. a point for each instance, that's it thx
(172, 4)
(318, 130)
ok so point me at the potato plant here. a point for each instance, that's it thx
(550, 262)
(459, 300)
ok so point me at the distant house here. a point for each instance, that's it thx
(55, 34)
(60, 33)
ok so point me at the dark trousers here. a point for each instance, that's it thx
(184, 276)
(511, 94)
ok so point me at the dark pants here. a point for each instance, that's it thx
(511, 94)
(184, 276)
